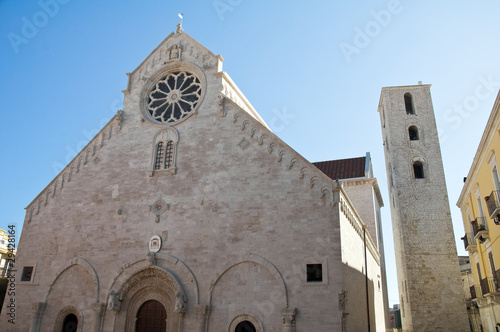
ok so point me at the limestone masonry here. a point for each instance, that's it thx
(186, 213)
(430, 289)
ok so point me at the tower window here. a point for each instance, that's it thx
(418, 170)
(314, 272)
(413, 133)
(409, 103)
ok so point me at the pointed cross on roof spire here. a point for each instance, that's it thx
(179, 26)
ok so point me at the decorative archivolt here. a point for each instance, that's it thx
(132, 269)
(70, 309)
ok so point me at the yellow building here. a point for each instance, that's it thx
(5, 250)
(479, 202)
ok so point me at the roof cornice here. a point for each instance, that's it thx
(489, 132)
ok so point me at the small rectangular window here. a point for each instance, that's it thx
(27, 272)
(314, 272)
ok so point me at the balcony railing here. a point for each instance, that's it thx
(480, 229)
(493, 204)
(488, 285)
(478, 225)
(469, 242)
(497, 274)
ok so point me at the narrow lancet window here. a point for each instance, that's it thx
(418, 170)
(169, 154)
(159, 155)
(413, 133)
(409, 103)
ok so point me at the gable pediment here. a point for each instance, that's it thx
(176, 47)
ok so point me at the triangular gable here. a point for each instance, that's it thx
(180, 47)
(190, 49)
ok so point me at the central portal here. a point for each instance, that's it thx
(151, 317)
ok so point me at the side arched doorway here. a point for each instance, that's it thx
(151, 317)
(70, 323)
(245, 326)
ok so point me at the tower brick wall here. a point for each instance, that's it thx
(430, 290)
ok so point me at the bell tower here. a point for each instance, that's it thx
(430, 289)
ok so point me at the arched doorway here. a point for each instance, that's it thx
(245, 326)
(70, 323)
(151, 317)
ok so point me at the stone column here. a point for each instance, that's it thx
(288, 315)
(99, 313)
(201, 316)
(38, 308)
(180, 320)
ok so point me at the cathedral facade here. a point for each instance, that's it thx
(186, 213)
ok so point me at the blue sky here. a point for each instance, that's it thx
(313, 70)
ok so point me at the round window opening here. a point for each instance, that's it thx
(245, 326)
(174, 97)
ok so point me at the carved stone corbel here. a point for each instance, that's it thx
(119, 118)
(221, 101)
(288, 315)
(114, 301)
(151, 258)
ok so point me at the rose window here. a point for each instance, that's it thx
(174, 97)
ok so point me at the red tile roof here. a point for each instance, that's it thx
(343, 168)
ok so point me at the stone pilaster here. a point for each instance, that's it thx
(38, 308)
(180, 320)
(202, 316)
(288, 315)
(99, 309)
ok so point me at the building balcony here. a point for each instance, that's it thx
(480, 229)
(489, 286)
(493, 204)
(469, 243)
